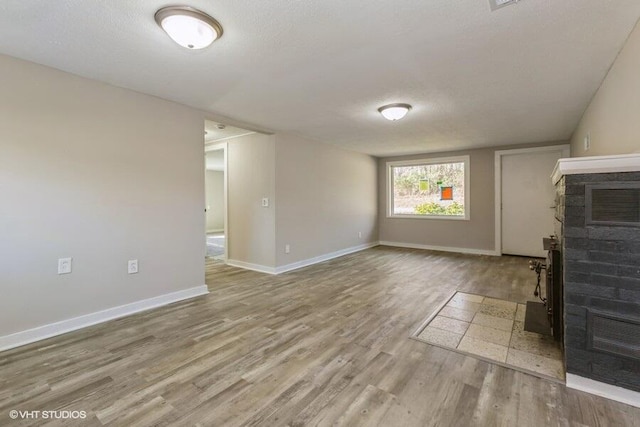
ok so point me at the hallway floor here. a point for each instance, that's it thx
(215, 245)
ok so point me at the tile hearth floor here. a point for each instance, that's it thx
(493, 329)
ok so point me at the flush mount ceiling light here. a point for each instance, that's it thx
(188, 27)
(394, 112)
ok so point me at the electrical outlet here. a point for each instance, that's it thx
(64, 265)
(132, 266)
(287, 248)
(587, 141)
(265, 202)
(359, 234)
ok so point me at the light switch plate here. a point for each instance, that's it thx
(64, 265)
(265, 202)
(132, 266)
(587, 141)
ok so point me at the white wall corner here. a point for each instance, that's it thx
(58, 328)
(601, 389)
(250, 266)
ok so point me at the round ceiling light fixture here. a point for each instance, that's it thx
(394, 112)
(188, 27)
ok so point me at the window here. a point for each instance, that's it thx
(437, 188)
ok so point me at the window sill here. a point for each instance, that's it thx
(449, 217)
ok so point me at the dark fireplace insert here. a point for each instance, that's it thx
(545, 317)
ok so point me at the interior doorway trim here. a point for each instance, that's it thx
(224, 147)
(565, 148)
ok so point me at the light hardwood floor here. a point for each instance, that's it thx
(324, 345)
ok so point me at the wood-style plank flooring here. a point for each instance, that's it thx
(324, 345)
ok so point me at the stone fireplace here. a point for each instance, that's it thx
(598, 225)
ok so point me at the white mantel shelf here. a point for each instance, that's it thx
(596, 164)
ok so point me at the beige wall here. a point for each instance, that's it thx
(325, 196)
(214, 189)
(613, 116)
(100, 174)
(477, 234)
(251, 177)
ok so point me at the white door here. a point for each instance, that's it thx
(528, 200)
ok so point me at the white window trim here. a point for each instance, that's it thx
(467, 186)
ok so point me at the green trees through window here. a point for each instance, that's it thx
(428, 189)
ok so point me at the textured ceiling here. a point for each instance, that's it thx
(523, 73)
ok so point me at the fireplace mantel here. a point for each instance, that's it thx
(596, 164)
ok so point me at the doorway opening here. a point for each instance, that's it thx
(215, 202)
(217, 137)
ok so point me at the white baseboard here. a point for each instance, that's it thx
(58, 328)
(321, 258)
(250, 266)
(299, 264)
(601, 389)
(325, 257)
(441, 248)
